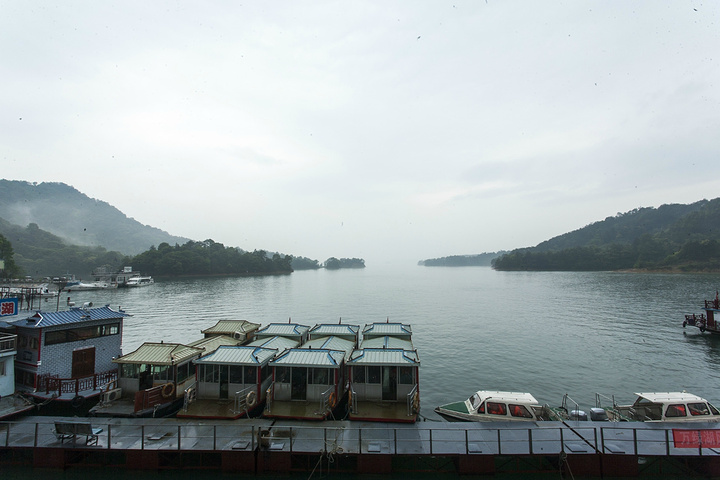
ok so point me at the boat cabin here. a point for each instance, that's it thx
(347, 332)
(495, 406)
(67, 355)
(309, 382)
(670, 407)
(294, 331)
(238, 329)
(384, 380)
(232, 381)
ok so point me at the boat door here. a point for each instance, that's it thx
(389, 383)
(298, 386)
(83, 362)
(223, 382)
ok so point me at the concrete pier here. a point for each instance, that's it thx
(259, 446)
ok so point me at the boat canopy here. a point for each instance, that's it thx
(291, 330)
(303, 357)
(331, 343)
(276, 343)
(348, 332)
(384, 356)
(668, 397)
(239, 355)
(160, 354)
(387, 342)
(230, 327)
(383, 329)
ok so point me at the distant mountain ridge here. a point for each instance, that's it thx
(62, 210)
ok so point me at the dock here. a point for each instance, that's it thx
(259, 446)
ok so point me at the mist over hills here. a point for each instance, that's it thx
(64, 211)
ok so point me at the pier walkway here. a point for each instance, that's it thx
(256, 446)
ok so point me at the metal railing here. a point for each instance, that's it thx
(353, 439)
(241, 399)
(190, 395)
(269, 396)
(96, 381)
(413, 401)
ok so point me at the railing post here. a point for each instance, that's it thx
(635, 446)
(602, 439)
(562, 441)
(35, 444)
(395, 441)
(252, 438)
(109, 426)
(179, 435)
(499, 442)
(667, 442)
(359, 440)
(467, 445)
(530, 440)
(215, 437)
(431, 449)
(142, 437)
(290, 440)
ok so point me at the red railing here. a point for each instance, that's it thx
(76, 385)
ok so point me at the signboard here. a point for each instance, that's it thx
(8, 306)
(696, 438)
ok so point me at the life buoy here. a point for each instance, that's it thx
(168, 390)
(332, 400)
(77, 401)
(416, 402)
(251, 399)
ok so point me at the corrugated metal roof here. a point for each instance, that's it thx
(670, 397)
(302, 357)
(387, 342)
(283, 329)
(384, 356)
(331, 343)
(239, 355)
(228, 327)
(382, 329)
(349, 332)
(210, 344)
(160, 354)
(278, 343)
(68, 317)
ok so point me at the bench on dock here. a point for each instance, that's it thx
(71, 430)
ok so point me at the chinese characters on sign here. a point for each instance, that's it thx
(696, 438)
(8, 306)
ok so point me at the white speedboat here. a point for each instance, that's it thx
(670, 407)
(139, 281)
(494, 406)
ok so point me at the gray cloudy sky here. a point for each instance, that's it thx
(385, 130)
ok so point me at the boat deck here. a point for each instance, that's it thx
(211, 409)
(297, 410)
(382, 412)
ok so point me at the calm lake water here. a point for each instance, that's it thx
(546, 333)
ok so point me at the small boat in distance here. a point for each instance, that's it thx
(706, 321)
(495, 406)
(138, 281)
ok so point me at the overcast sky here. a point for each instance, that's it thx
(384, 130)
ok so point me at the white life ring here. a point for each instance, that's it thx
(251, 399)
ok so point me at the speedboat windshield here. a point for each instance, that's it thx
(474, 401)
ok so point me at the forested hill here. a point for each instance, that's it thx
(479, 260)
(76, 218)
(670, 237)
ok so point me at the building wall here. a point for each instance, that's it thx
(7, 373)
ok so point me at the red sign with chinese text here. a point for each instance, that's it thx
(696, 438)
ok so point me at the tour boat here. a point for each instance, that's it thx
(670, 407)
(706, 321)
(495, 406)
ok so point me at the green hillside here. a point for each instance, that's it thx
(75, 218)
(670, 237)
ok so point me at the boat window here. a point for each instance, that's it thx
(183, 372)
(250, 375)
(495, 408)
(210, 373)
(320, 376)
(160, 372)
(698, 409)
(358, 375)
(475, 401)
(406, 376)
(282, 374)
(520, 411)
(235, 374)
(130, 370)
(373, 375)
(713, 410)
(677, 410)
(265, 372)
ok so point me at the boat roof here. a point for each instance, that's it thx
(68, 317)
(283, 329)
(303, 357)
(518, 397)
(238, 355)
(338, 330)
(277, 343)
(387, 342)
(228, 327)
(381, 329)
(331, 343)
(384, 356)
(160, 354)
(670, 397)
(210, 344)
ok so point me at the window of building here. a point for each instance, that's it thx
(235, 374)
(406, 375)
(358, 375)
